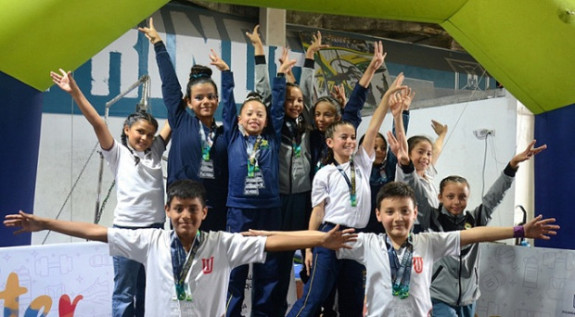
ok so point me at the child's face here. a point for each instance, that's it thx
(454, 196)
(294, 102)
(325, 115)
(140, 135)
(380, 150)
(397, 214)
(342, 142)
(203, 100)
(186, 215)
(253, 117)
(420, 155)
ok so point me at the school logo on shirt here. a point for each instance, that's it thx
(208, 265)
(418, 264)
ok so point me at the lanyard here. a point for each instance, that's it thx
(400, 271)
(291, 126)
(253, 153)
(350, 184)
(181, 263)
(207, 140)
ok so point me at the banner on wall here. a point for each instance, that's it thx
(75, 279)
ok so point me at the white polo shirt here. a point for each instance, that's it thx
(371, 250)
(209, 274)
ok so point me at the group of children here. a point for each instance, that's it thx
(283, 164)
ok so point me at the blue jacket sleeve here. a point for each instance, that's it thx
(171, 89)
(277, 109)
(352, 110)
(229, 110)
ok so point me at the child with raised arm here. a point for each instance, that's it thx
(341, 196)
(385, 163)
(424, 153)
(399, 263)
(328, 110)
(136, 164)
(253, 140)
(294, 153)
(197, 150)
(187, 269)
(462, 270)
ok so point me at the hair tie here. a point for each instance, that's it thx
(199, 75)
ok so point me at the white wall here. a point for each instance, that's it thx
(463, 154)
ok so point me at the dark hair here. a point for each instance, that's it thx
(379, 135)
(395, 190)
(130, 120)
(453, 179)
(302, 124)
(415, 140)
(184, 189)
(199, 74)
(334, 102)
(253, 96)
(329, 132)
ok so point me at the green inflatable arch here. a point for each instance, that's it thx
(528, 45)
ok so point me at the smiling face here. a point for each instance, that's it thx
(186, 215)
(253, 117)
(420, 155)
(454, 196)
(140, 134)
(380, 148)
(325, 115)
(342, 142)
(294, 102)
(203, 100)
(397, 214)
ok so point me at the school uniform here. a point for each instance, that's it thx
(331, 187)
(208, 275)
(253, 195)
(455, 283)
(351, 113)
(190, 136)
(371, 250)
(424, 185)
(140, 204)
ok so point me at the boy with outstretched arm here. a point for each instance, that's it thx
(187, 269)
(399, 264)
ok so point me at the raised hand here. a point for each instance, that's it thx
(338, 93)
(378, 56)
(539, 228)
(65, 81)
(315, 46)
(256, 40)
(151, 32)
(218, 62)
(286, 63)
(398, 148)
(440, 129)
(529, 152)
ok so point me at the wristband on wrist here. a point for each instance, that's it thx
(518, 232)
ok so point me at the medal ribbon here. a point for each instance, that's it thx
(182, 262)
(207, 140)
(350, 183)
(400, 270)
(253, 152)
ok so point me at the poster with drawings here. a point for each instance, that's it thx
(523, 281)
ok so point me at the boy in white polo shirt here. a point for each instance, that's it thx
(399, 264)
(187, 270)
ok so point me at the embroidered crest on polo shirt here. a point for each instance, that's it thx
(208, 265)
(418, 264)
